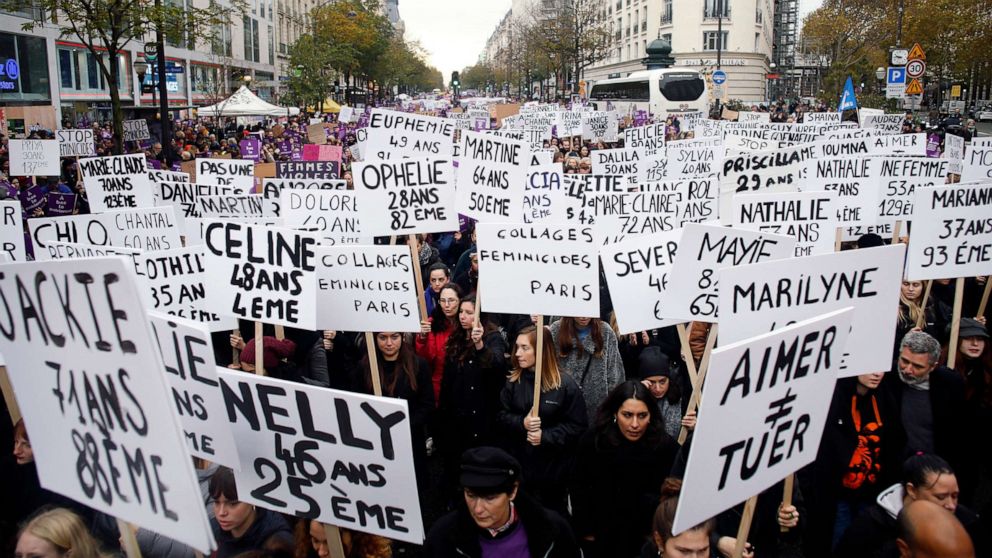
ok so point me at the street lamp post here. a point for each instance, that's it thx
(140, 68)
(880, 76)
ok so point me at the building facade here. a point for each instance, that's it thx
(694, 29)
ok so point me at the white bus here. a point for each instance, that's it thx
(661, 92)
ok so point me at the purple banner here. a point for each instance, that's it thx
(285, 147)
(933, 146)
(154, 164)
(60, 204)
(32, 198)
(251, 149)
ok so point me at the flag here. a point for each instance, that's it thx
(848, 101)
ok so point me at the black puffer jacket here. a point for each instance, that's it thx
(469, 400)
(456, 535)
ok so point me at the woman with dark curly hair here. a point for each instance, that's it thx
(311, 542)
(620, 465)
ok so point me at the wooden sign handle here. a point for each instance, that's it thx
(478, 307)
(415, 253)
(745, 527)
(334, 544)
(128, 540)
(838, 240)
(236, 354)
(373, 363)
(787, 490)
(923, 307)
(538, 363)
(8, 396)
(690, 361)
(952, 347)
(896, 229)
(259, 350)
(697, 387)
(985, 296)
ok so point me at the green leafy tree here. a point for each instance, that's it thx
(106, 27)
(311, 74)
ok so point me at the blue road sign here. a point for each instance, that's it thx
(896, 75)
(719, 77)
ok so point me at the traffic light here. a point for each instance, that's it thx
(454, 79)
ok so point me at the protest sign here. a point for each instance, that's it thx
(12, 231)
(900, 177)
(60, 204)
(251, 149)
(260, 273)
(236, 173)
(764, 406)
(542, 157)
(118, 182)
(660, 206)
(339, 457)
(490, 175)
(91, 386)
(316, 133)
(230, 206)
(689, 121)
(625, 162)
(977, 163)
(636, 271)
(952, 232)
(188, 356)
(156, 175)
(32, 198)
(656, 167)
(826, 117)
(693, 292)
(809, 217)
(147, 228)
(891, 123)
(406, 196)
(763, 171)
(76, 143)
(544, 198)
(600, 126)
(367, 288)
(173, 283)
(914, 145)
(34, 157)
(332, 215)
(346, 114)
(981, 142)
(543, 269)
(751, 116)
(136, 130)
(756, 299)
(395, 135)
(692, 161)
(649, 140)
(954, 151)
(570, 124)
(884, 229)
(272, 188)
(323, 170)
(73, 251)
(594, 194)
(184, 195)
(855, 182)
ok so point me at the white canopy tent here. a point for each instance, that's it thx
(245, 103)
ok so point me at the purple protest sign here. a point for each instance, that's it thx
(9, 189)
(60, 204)
(154, 164)
(933, 145)
(251, 149)
(285, 147)
(297, 154)
(32, 198)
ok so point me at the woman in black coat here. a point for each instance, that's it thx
(621, 464)
(544, 444)
(474, 373)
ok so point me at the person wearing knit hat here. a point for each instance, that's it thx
(655, 372)
(273, 352)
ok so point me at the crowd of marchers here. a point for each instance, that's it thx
(903, 467)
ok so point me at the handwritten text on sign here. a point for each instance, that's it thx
(756, 299)
(342, 458)
(119, 182)
(92, 389)
(146, 228)
(539, 269)
(188, 357)
(952, 232)
(405, 196)
(395, 135)
(260, 273)
(366, 288)
(636, 270)
(173, 283)
(34, 158)
(764, 405)
(490, 177)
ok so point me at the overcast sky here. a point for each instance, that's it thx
(454, 32)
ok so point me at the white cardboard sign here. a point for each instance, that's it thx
(231, 206)
(899, 178)
(73, 251)
(755, 299)
(952, 232)
(34, 157)
(636, 271)
(406, 196)
(490, 176)
(977, 163)
(545, 198)
(12, 231)
(321, 432)
(693, 292)
(600, 126)
(260, 273)
(188, 356)
(853, 180)
(333, 215)
(539, 269)
(184, 196)
(76, 143)
(146, 228)
(91, 385)
(625, 161)
(649, 140)
(367, 288)
(236, 173)
(272, 188)
(173, 283)
(136, 130)
(764, 406)
(763, 171)
(809, 217)
(395, 135)
(118, 182)
(686, 161)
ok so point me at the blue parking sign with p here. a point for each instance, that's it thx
(896, 74)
